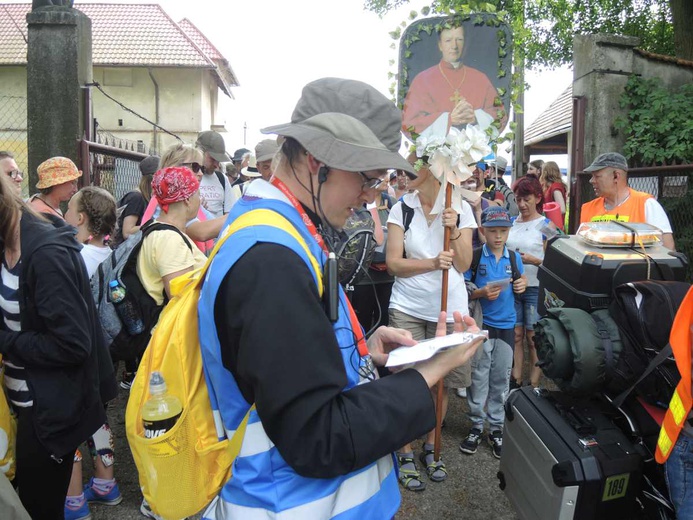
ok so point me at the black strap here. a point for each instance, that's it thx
(476, 258)
(607, 343)
(152, 225)
(221, 176)
(100, 278)
(407, 215)
(515, 274)
(658, 360)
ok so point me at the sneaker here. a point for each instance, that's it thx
(112, 498)
(514, 384)
(147, 511)
(471, 443)
(80, 513)
(495, 439)
(126, 381)
(461, 392)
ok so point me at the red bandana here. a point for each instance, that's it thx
(174, 184)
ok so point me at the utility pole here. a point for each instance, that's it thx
(245, 130)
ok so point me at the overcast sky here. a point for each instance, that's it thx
(275, 47)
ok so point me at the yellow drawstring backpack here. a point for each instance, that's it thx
(181, 471)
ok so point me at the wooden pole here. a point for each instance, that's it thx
(443, 307)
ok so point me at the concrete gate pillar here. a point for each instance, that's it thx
(602, 65)
(58, 66)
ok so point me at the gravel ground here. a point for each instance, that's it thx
(470, 492)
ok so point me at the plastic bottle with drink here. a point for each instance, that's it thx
(125, 309)
(162, 410)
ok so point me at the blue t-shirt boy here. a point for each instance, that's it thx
(498, 306)
(499, 313)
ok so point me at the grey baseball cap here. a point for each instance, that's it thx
(266, 149)
(608, 160)
(348, 125)
(500, 163)
(149, 165)
(213, 143)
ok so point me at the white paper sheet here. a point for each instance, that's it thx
(428, 348)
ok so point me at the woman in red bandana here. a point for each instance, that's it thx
(168, 252)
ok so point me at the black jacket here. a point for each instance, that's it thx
(61, 345)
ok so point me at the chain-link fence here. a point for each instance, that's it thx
(672, 186)
(114, 169)
(114, 163)
(13, 132)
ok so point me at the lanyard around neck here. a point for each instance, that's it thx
(355, 325)
(304, 216)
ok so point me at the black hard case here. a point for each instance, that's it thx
(564, 459)
(578, 275)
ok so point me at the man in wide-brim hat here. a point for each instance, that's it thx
(277, 330)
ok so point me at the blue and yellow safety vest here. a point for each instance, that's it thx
(263, 485)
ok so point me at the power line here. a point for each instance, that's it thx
(95, 84)
(16, 25)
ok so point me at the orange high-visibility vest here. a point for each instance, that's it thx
(681, 402)
(631, 210)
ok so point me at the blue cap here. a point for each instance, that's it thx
(495, 216)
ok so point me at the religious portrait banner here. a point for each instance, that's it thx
(453, 72)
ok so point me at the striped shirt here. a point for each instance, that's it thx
(15, 379)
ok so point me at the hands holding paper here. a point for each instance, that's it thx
(386, 339)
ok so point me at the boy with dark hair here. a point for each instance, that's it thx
(497, 275)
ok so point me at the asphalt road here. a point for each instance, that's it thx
(470, 492)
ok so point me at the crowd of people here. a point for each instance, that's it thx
(325, 439)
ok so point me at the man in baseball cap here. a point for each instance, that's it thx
(215, 188)
(265, 151)
(617, 201)
(278, 331)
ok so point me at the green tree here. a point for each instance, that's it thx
(546, 36)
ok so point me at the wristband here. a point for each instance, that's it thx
(458, 236)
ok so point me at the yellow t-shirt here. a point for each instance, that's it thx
(164, 252)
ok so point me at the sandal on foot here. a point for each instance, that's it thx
(436, 471)
(410, 478)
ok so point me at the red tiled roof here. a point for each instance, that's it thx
(13, 33)
(123, 34)
(200, 40)
(226, 75)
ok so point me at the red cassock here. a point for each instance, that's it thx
(433, 92)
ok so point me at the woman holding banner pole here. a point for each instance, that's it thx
(416, 256)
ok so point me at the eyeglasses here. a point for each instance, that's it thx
(15, 174)
(194, 166)
(368, 183)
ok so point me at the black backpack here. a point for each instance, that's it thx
(476, 258)
(121, 265)
(644, 312)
